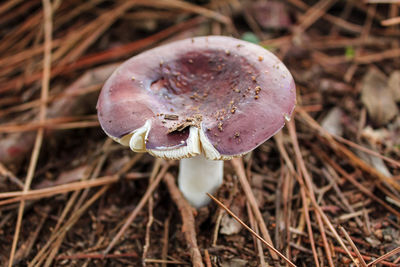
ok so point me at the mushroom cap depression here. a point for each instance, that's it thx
(214, 95)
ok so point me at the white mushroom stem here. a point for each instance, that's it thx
(198, 176)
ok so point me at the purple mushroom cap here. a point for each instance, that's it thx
(237, 93)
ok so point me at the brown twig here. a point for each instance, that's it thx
(7, 173)
(251, 231)
(238, 166)
(387, 255)
(257, 245)
(353, 246)
(97, 256)
(207, 258)
(53, 124)
(138, 208)
(282, 150)
(390, 22)
(188, 222)
(188, 7)
(362, 188)
(60, 189)
(49, 255)
(330, 226)
(65, 94)
(164, 250)
(47, 9)
(166, 261)
(71, 221)
(339, 193)
(156, 168)
(26, 247)
(385, 263)
(313, 14)
(308, 185)
(311, 122)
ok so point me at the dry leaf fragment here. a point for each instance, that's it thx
(377, 97)
(65, 177)
(394, 84)
(229, 226)
(333, 121)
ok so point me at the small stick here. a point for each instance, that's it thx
(8, 174)
(259, 247)
(164, 251)
(251, 230)
(207, 258)
(86, 89)
(48, 254)
(288, 189)
(342, 251)
(383, 1)
(188, 7)
(238, 166)
(59, 189)
(313, 14)
(391, 21)
(26, 247)
(146, 246)
(53, 251)
(311, 122)
(252, 223)
(287, 211)
(216, 229)
(327, 173)
(148, 228)
(307, 184)
(278, 209)
(68, 225)
(48, 29)
(138, 208)
(166, 261)
(353, 246)
(381, 258)
(61, 123)
(232, 193)
(97, 256)
(306, 213)
(357, 184)
(188, 224)
(330, 226)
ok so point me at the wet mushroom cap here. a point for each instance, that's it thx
(237, 93)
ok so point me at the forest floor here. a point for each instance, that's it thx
(325, 191)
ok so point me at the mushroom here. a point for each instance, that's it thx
(201, 100)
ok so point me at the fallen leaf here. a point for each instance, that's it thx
(229, 226)
(332, 121)
(377, 97)
(394, 85)
(65, 177)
